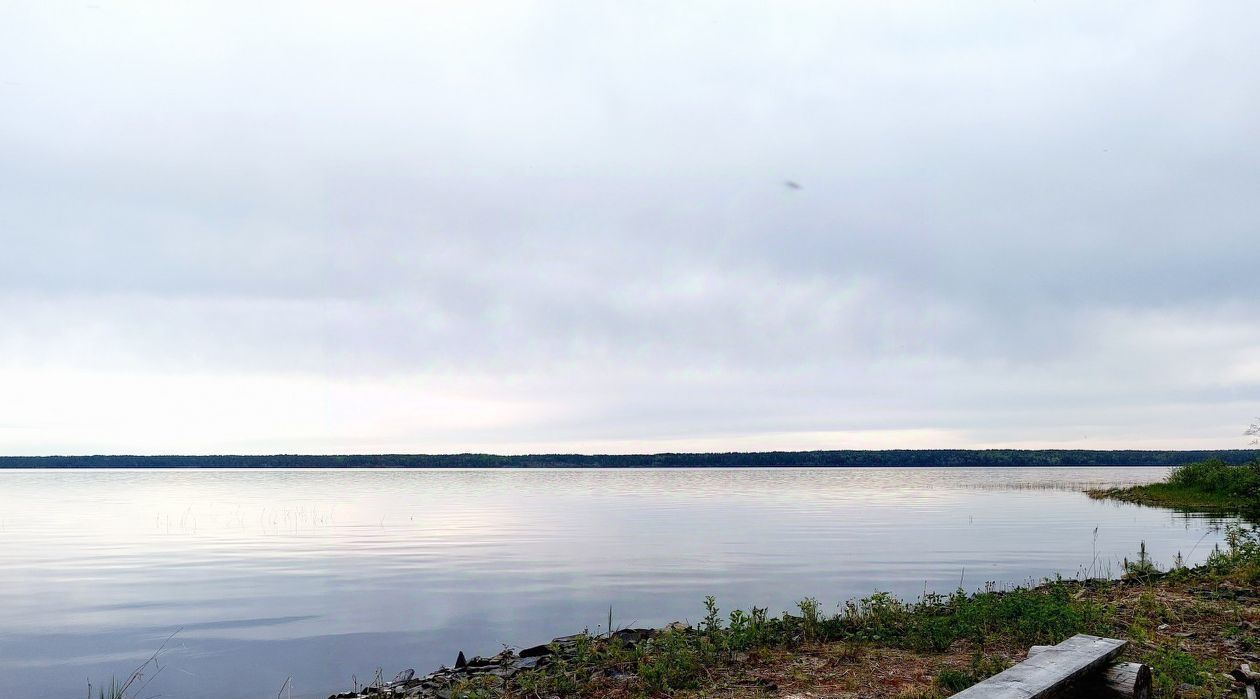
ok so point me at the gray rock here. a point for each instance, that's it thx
(404, 676)
(535, 651)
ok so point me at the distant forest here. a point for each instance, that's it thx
(845, 458)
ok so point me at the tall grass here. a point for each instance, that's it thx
(136, 681)
(1216, 477)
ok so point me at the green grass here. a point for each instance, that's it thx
(680, 660)
(113, 691)
(1212, 485)
(1172, 667)
(951, 680)
(677, 660)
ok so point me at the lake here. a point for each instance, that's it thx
(324, 576)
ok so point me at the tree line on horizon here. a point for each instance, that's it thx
(837, 458)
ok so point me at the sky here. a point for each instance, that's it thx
(567, 226)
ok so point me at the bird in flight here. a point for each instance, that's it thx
(791, 185)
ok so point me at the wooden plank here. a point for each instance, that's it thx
(1049, 673)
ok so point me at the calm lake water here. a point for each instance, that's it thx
(325, 575)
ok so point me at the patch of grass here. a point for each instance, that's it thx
(1046, 614)
(1212, 485)
(1219, 478)
(1240, 560)
(484, 687)
(954, 680)
(113, 691)
(1173, 668)
(677, 660)
(674, 661)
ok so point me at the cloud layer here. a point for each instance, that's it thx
(472, 226)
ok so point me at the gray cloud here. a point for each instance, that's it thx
(1018, 225)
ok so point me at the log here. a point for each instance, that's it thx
(1121, 680)
(1245, 675)
(1127, 680)
(1054, 672)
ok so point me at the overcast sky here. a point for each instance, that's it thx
(512, 227)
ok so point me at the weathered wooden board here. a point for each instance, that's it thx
(1049, 673)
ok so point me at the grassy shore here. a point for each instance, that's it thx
(1204, 486)
(1191, 625)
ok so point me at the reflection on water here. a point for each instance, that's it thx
(321, 575)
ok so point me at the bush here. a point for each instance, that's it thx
(672, 661)
(1241, 557)
(1219, 478)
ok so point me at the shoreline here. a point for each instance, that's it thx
(1210, 487)
(1191, 625)
(1186, 500)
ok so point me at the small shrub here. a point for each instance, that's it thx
(1141, 569)
(1241, 557)
(811, 621)
(670, 663)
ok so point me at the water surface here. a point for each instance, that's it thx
(324, 576)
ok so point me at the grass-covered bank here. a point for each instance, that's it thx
(1212, 485)
(1191, 625)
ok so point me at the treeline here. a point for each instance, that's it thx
(844, 458)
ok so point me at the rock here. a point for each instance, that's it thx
(524, 663)
(504, 673)
(460, 662)
(633, 636)
(404, 676)
(535, 651)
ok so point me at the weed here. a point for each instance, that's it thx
(484, 687)
(670, 662)
(952, 680)
(1141, 569)
(1171, 668)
